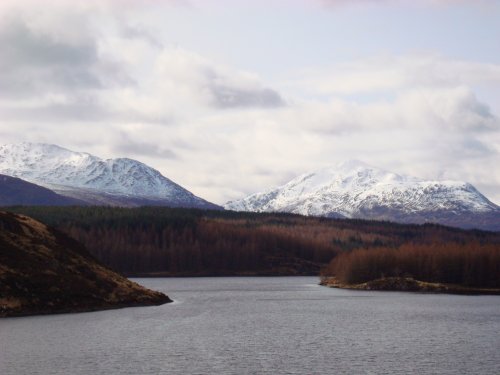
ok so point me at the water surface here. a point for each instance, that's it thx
(264, 325)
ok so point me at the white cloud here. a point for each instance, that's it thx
(195, 77)
(390, 73)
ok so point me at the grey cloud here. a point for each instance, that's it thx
(472, 148)
(67, 79)
(216, 85)
(83, 111)
(227, 94)
(180, 143)
(31, 63)
(265, 172)
(232, 97)
(482, 118)
(129, 146)
(135, 32)
(79, 109)
(457, 148)
(21, 46)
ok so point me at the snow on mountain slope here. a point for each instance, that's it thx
(354, 189)
(81, 175)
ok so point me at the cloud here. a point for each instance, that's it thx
(22, 47)
(33, 62)
(450, 109)
(391, 73)
(192, 75)
(91, 80)
(81, 110)
(99, 74)
(137, 32)
(131, 147)
(233, 97)
(343, 3)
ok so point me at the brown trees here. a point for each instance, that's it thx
(177, 241)
(468, 264)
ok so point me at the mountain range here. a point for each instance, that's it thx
(354, 189)
(45, 174)
(88, 178)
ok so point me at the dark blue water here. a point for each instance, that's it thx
(263, 326)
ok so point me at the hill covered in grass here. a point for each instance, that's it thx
(44, 271)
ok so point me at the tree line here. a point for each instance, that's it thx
(177, 241)
(469, 264)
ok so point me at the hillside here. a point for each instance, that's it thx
(14, 191)
(187, 242)
(43, 271)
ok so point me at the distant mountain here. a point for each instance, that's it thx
(43, 271)
(119, 182)
(17, 192)
(356, 190)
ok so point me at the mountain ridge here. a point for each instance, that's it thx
(80, 175)
(354, 189)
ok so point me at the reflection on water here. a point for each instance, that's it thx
(263, 325)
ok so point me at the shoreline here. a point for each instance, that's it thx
(6, 314)
(152, 275)
(407, 284)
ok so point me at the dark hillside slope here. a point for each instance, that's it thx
(43, 271)
(14, 191)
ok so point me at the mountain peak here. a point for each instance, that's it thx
(87, 177)
(355, 189)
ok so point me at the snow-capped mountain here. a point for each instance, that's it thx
(354, 189)
(80, 175)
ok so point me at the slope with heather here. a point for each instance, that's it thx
(43, 271)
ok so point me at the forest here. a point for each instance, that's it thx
(469, 264)
(161, 241)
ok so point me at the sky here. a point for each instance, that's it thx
(229, 98)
